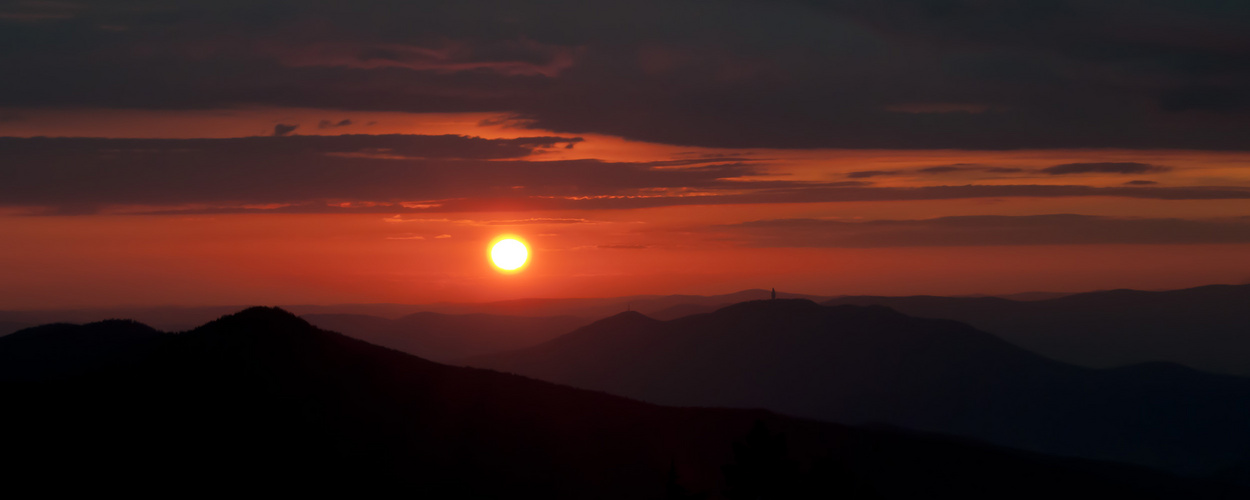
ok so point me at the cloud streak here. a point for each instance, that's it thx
(74, 175)
(420, 174)
(815, 193)
(986, 230)
(1105, 168)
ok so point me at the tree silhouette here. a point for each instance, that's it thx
(673, 490)
(762, 469)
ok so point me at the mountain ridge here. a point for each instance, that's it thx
(266, 401)
(859, 365)
(1201, 327)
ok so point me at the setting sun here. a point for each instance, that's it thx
(509, 254)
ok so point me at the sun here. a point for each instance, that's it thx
(509, 254)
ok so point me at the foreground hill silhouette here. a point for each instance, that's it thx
(7, 327)
(262, 402)
(874, 365)
(63, 350)
(448, 337)
(1207, 327)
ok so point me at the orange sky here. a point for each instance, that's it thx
(117, 258)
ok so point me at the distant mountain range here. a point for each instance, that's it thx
(263, 402)
(600, 308)
(872, 364)
(447, 337)
(1207, 328)
(180, 318)
(1204, 328)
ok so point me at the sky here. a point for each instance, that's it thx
(319, 152)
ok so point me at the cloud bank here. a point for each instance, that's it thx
(793, 74)
(420, 173)
(984, 230)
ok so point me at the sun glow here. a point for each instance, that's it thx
(509, 254)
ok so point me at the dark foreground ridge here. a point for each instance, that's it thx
(262, 402)
(864, 365)
(448, 337)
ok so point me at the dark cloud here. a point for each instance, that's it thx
(1061, 229)
(38, 11)
(756, 192)
(1105, 168)
(325, 124)
(864, 174)
(935, 170)
(938, 107)
(415, 173)
(282, 129)
(943, 169)
(89, 150)
(1204, 98)
(966, 74)
(364, 171)
(1140, 183)
(965, 167)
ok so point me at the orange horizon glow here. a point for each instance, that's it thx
(111, 259)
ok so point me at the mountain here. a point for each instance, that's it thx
(445, 337)
(1207, 328)
(7, 327)
(862, 365)
(601, 307)
(63, 350)
(682, 310)
(710, 304)
(261, 401)
(1030, 296)
(180, 318)
(167, 318)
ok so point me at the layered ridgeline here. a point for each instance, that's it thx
(863, 365)
(7, 327)
(1207, 328)
(594, 308)
(376, 317)
(448, 337)
(263, 402)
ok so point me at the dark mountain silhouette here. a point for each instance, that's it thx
(7, 327)
(181, 318)
(683, 310)
(63, 350)
(1206, 328)
(262, 402)
(1029, 296)
(710, 304)
(861, 365)
(165, 318)
(444, 337)
(601, 307)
